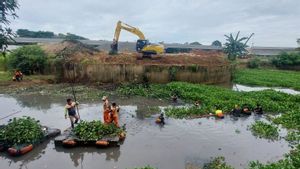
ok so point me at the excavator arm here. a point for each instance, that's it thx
(142, 44)
(128, 28)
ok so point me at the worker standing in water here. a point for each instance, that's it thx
(70, 110)
(105, 102)
(107, 115)
(219, 113)
(115, 114)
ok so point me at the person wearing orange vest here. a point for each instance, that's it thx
(107, 115)
(115, 114)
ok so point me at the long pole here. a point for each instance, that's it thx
(73, 91)
(2, 118)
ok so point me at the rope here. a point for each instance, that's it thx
(10, 115)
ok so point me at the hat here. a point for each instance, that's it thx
(104, 98)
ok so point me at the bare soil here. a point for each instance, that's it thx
(84, 54)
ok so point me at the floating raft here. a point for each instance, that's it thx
(68, 139)
(25, 148)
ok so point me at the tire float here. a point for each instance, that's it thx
(16, 152)
(69, 143)
(102, 143)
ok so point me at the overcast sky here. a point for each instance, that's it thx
(274, 22)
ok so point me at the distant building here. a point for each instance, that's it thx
(298, 41)
(269, 51)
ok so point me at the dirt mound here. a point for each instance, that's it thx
(80, 53)
(69, 48)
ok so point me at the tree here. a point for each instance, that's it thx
(70, 36)
(29, 59)
(216, 43)
(195, 43)
(35, 34)
(7, 10)
(236, 47)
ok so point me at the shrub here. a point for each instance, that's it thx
(254, 63)
(287, 59)
(29, 59)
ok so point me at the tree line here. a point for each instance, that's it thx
(47, 34)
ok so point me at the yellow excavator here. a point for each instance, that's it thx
(142, 45)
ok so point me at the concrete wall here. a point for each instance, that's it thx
(120, 73)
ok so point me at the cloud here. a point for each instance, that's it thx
(275, 23)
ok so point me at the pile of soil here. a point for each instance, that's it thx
(69, 49)
(80, 53)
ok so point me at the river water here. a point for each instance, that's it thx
(180, 144)
(243, 88)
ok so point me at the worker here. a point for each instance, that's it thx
(70, 110)
(18, 76)
(160, 119)
(246, 110)
(258, 109)
(197, 103)
(236, 111)
(174, 98)
(105, 102)
(115, 114)
(107, 115)
(114, 47)
(219, 113)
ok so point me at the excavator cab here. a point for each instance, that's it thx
(140, 44)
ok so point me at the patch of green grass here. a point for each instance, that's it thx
(212, 97)
(264, 130)
(268, 77)
(5, 76)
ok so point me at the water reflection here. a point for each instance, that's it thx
(77, 154)
(22, 161)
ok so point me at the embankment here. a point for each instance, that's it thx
(122, 73)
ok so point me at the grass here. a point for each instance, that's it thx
(268, 77)
(5, 76)
(212, 97)
(264, 130)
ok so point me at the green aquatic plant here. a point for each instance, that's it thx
(212, 96)
(268, 77)
(95, 130)
(293, 137)
(146, 167)
(264, 130)
(291, 161)
(289, 120)
(24, 130)
(217, 163)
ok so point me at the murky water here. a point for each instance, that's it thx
(238, 87)
(178, 145)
